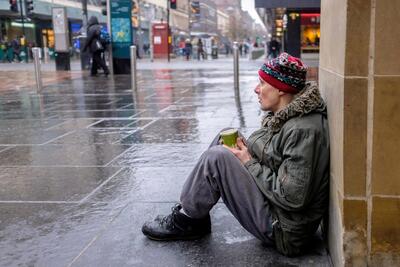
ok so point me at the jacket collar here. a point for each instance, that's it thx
(307, 101)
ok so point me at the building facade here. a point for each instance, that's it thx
(179, 22)
(295, 23)
(359, 78)
(222, 23)
(37, 27)
(205, 22)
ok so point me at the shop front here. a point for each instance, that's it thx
(310, 32)
(295, 24)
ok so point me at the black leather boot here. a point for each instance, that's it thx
(176, 226)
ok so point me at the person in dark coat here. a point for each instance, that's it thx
(16, 48)
(4, 46)
(200, 50)
(188, 49)
(274, 48)
(93, 43)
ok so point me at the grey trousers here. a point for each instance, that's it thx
(219, 173)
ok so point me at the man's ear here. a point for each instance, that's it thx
(282, 93)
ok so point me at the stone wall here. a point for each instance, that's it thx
(359, 77)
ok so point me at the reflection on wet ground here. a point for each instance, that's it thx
(87, 162)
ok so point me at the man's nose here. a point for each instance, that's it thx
(257, 89)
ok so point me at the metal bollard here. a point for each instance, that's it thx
(133, 68)
(38, 72)
(151, 43)
(236, 65)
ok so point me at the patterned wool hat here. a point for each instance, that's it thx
(285, 73)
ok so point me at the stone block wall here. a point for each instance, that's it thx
(359, 77)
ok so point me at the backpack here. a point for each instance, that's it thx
(105, 38)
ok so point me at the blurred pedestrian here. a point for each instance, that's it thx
(246, 48)
(146, 48)
(4, 47)
(30, 52)
(16, 49)
(200, 50)
(93, 43)
(274, 48)
(227, 48)
(188, 49)
(182, 45)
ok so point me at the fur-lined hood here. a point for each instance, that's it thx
(308, 100)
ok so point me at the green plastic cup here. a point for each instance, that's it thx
(229, 137)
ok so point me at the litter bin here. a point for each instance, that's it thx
(51, 53)
(62, 60)
(214, 52)
(194, 52)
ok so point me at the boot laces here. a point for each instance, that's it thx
(168, 221)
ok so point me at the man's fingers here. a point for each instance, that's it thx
(243, 141)
(240, 144)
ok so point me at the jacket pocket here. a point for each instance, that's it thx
(284, 241)
(291, 238)
(294, 183)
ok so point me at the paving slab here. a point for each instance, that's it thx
(94, 136)
(51, 184)
(156, 155)
(74, 124)
(61, 155)
(123, 244)
(50, 234)
(27, 125)
(29, 137)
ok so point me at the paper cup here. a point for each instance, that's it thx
(229, 137)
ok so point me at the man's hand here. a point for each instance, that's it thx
(240, 151)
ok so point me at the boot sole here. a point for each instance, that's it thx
(177, 238)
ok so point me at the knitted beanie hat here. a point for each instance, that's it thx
(285, 73)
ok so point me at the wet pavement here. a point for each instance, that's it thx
(87, 162)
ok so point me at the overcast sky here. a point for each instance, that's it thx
(248, 5)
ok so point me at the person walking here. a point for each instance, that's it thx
(188, 49)
(93, 43)
(200, 50)
(275, 183)
(227, 49)
(274, 48)
(4, 46)
(16, 49)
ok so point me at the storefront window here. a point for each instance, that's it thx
(310, 33)
(48, 38)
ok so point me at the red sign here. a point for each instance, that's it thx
(310, 19)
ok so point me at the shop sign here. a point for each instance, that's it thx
(60, 26)
(157, 39)
(121, 27)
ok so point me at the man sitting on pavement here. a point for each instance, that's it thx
(276, 183)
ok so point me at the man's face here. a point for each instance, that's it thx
(268, 96)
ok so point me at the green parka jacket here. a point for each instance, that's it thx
(291, 167)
